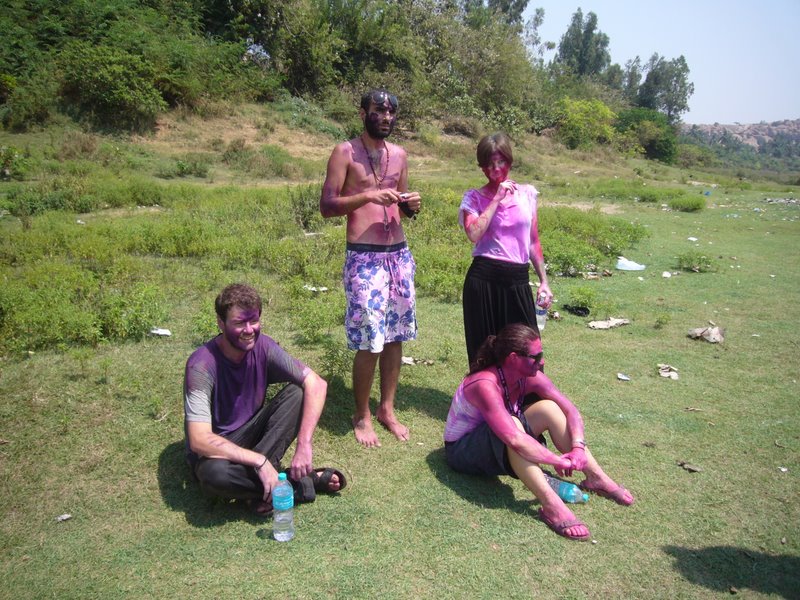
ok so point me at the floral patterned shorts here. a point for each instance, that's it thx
(379, 286)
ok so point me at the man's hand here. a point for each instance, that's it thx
(301, 463)
(384, 197)
(413, 199)
(269, 478)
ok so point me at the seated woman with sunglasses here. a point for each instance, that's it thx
(490, 432)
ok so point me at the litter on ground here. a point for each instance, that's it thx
(690, 467)
(160, 331)
(667, 371)
(623, 264)
(623, 377)
(712, 334)
(312, 288)
(410, 360)
(608, 324)
(64, 517)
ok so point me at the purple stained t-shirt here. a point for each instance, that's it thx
(508, 237)
(227, 394)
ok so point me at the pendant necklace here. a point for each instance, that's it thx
(379, 180)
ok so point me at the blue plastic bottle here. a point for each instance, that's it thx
(283, 506)
(568, 492)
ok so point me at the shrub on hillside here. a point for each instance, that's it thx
(651, 130)
(111, 86)
(584, 123)
(688, 203)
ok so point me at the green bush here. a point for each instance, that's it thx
(697, 262)
(688, 203)
(585, 122)
(33, 101)
(651, 130)
(13, 164)
(111, 86)
(573, 239)
(659, 195)
(47, 304)
(304, 200)
(583, 297)
(130, 311)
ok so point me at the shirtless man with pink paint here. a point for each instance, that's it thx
(367, 181)
(491, 431)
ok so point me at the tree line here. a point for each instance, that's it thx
(466, 64)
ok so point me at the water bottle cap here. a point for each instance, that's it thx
(281, 476)
(586, 497)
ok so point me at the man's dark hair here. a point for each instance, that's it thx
(237, 294)
(494, 142)
(495, 349)
(378, 96)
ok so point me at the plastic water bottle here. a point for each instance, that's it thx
(541, 312)
(283, 505)
(568, 492)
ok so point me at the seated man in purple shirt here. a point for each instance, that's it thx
(235, 440)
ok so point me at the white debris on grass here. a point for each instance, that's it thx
(667, 371)
(161, 332)
(608, 324)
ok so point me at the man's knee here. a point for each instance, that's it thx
(214, 476)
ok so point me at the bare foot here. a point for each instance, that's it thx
(262, 508)
(391, 423)
(365, 434)
(555, 514)
(334, 484)
(607, 488)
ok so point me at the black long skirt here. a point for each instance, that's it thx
(496, 294)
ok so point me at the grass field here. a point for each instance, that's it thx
(96, 431)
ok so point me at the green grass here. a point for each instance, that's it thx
(96, 431)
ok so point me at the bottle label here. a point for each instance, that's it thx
(283, 499)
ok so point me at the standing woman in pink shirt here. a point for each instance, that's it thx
(500, 220)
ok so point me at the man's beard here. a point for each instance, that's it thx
(374, 130)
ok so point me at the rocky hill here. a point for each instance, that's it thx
(754, 135)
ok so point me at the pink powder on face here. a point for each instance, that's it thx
(498, 168)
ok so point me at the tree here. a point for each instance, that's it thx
(666, 87)
(585, 122)
(583, 49)
(631, 79)
(651, 131)
(511, 10)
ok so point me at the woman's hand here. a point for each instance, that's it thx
(507, 188)
(544, 297)
(577, 456)
(564, 466)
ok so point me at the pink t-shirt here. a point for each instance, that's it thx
(508, 237)
(463, 416)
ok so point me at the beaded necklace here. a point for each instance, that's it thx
(379, 180)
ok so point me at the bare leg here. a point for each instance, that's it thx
(363, 374)
(390, 361)
(546, 414)
(553, 507)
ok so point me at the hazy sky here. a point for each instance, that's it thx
(743, 57)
